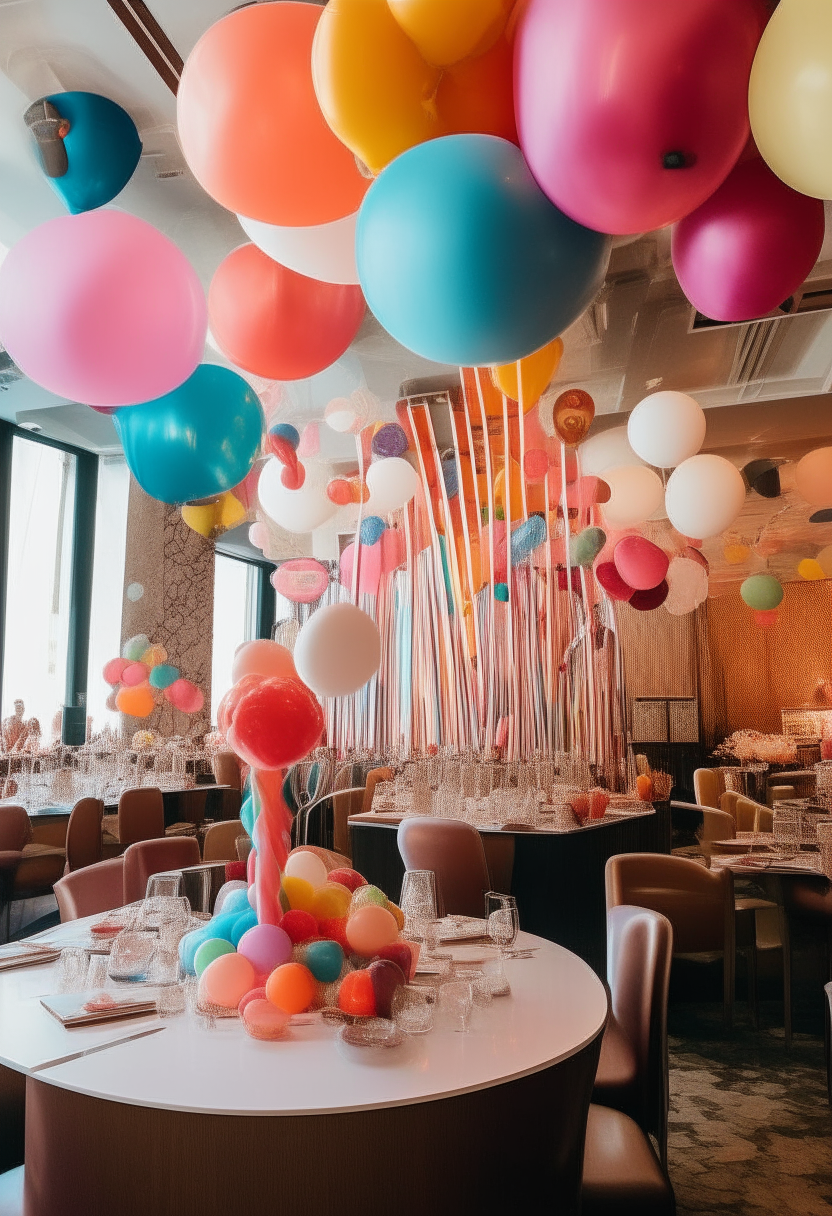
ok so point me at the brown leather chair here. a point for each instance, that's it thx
(220, 843)
(453, 850)
(96, 888)
(148, 857)
(83, 834)
(749, 816)
(39, 866)
(715, 825)
(632, 1073)
(373, 777)
(622, 1174)
(344, 805)
(141, 816)
(227, 770)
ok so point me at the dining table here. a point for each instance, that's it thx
(157, 1115)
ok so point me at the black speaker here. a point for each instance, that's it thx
(74, 725)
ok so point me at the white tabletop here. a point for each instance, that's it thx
(557, 1006)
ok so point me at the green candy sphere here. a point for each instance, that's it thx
(585, 547)
(208, 951)
(762, 592)
(367, 895)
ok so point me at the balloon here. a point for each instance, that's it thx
(526, 537)
(299, 893)
(453, 30)
(762, 592)
(632, 112)
(646, 601)
(350, 879)
(371, 928)
(687, 583)
(337, 650)
(392, 483)
(307, 866)
(372, 529)
(356, 995)
(824, 560)
(389, 440)
(299, 925)
(749, 246)
(790, 96)
(291, 987)
(102, 309)
(134, 673)
(641, 564)
(136, 701)
(228, 705)
(331, 901)
(209, 950)
(113, 670)
(276, 323)
(607, 450)
(262, 658)
(185, 696)
(195, 442)
(300, 510)
(154, 655)
(635, 493)
(263, 1020)
(535, 372)
(810, 569)
(324, 960)
(585, 547)
(250, 127)
(666, 428)
(134, 647)
(478, 94)
(102, 149)
(704, 496)
(535, 465)
(226, 980)
(437, 214)
(319, 251)
(275, 724)
(813, 477)
(265, 947)
(362, 896)
(763, 476)
(572, 415)
(301, 580)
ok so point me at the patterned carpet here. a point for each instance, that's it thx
(750, 1124)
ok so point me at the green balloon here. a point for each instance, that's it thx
(762, 592)
(368, 895)
(585, 547)
(208, 951)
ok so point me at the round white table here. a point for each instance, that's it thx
(188, 1120)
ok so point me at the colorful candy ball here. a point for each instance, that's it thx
(291, 987)
(356, 995)
(266, 947)
(307, 866)
(209, 950)
(226, 980)
(335, 930)
(331, 901)
(350, 879)
(263, 1020)
(385, 976)
(324, 960)
(299, 925)
(299, 892)
(367, 895)
(370, 929)
(254, 994)
(403, 954)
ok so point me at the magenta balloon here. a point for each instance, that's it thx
(641, 564)
(265, 947)
(612, 582)
(632, 112)
(749, 246)
(102, 308)
(654, 597)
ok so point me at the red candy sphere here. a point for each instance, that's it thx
(276, 724)
(350, 879)
(300, 926)
(357, 995)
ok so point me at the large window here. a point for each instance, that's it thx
(107, 584)
(235, 619)
(37, 597)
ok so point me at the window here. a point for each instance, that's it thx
(107, 584)
(40, 567)
(235, 619)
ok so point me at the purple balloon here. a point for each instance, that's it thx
(389, 440)
(265, 947)
(744, 251)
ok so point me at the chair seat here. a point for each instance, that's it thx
(41, 866)
(622, 1174)
(617, 1075)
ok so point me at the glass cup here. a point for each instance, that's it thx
(456, 1000)
(502, 921)
(418, 901)
(167, 885)
(171, 1001)
(131, 955)
(96, 972)
(480, 986)
(413, 1007)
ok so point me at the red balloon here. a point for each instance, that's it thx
(114, 669)
(641, 564)
(276, 724)
(653, 597)
(276, 323)
(185, 696)
(749, 246)
(612, 582)
(227, 706)
(293, 476)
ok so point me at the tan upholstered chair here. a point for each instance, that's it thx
(141, 816)
(227, 769)
(752, 816)
(453, 850)
(707, 786)
(373, 777)
(148, 857)
(344, 805)
(96, 888)
(220, 843)
(83, 834)
(39, 866)
(715, 825)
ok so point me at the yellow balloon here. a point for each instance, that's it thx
(299, 893)
(824, 560)
(449, 30)
(375, 90)
(536, 372)
(202, 518)
(231, 512)
(515, 487)
(810, 569)
(790, 95)
(736, 554)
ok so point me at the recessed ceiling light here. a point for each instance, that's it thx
(31, 426)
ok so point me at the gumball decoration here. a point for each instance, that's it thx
(612, 582)
(134, 647)
(389, 440)
(324, 960)
(641, 564)
(300, 926)
(339, 491)
(813, 477)
(572, 416)
(298, 892)
(265, 947)
(335, 930)
(337, 650)
(262, 658)
(763, 592)
(356, 996)
(404, 954)
(291, 988)
(253, 994)
(666, 428)
(276, 724)
(226, 980)
(366, 894)
(810, 569)
(526, 537)
(306, 865)
(189, 945)
(232, 895)
(350, 879)
(331, 901)
(263, 1020)
(371, 928)
(209, 950)
(245, 921)
(228, 705)
(736, 554)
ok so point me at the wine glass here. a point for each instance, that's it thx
(501, 919)
(418, 901)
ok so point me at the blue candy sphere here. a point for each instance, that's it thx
(324, 960)
(463, 259)
(286, 431)
(371, 529)
(244, 922)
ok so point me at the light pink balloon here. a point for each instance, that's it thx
(185, 696)
(102, 308)
(641, 564)
(262, 657)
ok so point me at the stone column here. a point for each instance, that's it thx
(174, 566)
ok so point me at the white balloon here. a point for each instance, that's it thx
(687, 583)
(338, 650)
(300, 510)
(308, 866)
(606, 450)
(636, 492)
(666, 428)
(321, 251)
(705, 494)
(392, 483)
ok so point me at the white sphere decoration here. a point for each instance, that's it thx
(666, 428)
(320, 251)
(636, 493)
(606, 450)
(338, 650)
(307, 866)
(392, 483)
(300, 510)
(687, 581)
(705, 494)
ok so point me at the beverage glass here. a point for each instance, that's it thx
(413, 1007)
(418, 901)
(456, 1000)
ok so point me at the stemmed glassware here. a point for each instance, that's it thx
(787, 829)
(501, 919)
(418, 901)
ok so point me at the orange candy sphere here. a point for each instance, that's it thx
(356, 995)
(226, 980)
(370, 929)
(291, 987)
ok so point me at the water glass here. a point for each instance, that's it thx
(787, 830)
(502, 920)
(480, 986)
(456, 1000)
(131, 955)
(167, 885)
(72, 970)
(413, 1008)
(418, 901)
(96, 972)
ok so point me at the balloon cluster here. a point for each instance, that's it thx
(142, 678)
(338, 944)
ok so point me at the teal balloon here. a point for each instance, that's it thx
(244, 922)
(464, 212)
(188, 947)
(526, 538)
(102, 150)
(210, 949)
(324, 960)
(585, 547)
(247, 813)
(762, 592)
(195, 442)
(236, 901)
(163, 676)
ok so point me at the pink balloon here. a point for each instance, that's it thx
(185, 696)
(640, 563)
(610, 95)
(102, 308)
(301, 580)
(749, 246)
(374, 561)
(113, 670)
(265, 947)
(134, 673)
(262, 658)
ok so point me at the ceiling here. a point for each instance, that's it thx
(767, 386)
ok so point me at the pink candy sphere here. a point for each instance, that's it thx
(265, 947)
(370, 929)
(226, 980)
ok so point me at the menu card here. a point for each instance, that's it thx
(89, 1008)
(26, 954)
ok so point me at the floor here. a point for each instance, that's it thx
(750, 1124)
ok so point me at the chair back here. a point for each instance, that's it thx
(344, 805)
(752, 816)
(707, 786)
(15, 828)
(373, 777)
(699, 903)
(728, 804)
(227, 770)
(220, 843)
(83, 834)
(717, 825)
(141, 815)
(639, 951)
(96, 888)
(148, 857)
(453, 850)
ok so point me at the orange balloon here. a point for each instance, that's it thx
(250, 125)
(536, 370)
(573, 414)
(276, 323)
(137, 701)
(515, 486)
(262, 658)
(291, 987)
(452, 30)
(477, 95)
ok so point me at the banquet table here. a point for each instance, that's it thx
(189, 1121)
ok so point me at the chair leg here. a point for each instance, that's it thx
(783, 924)
(751, 956)
(728, 986)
